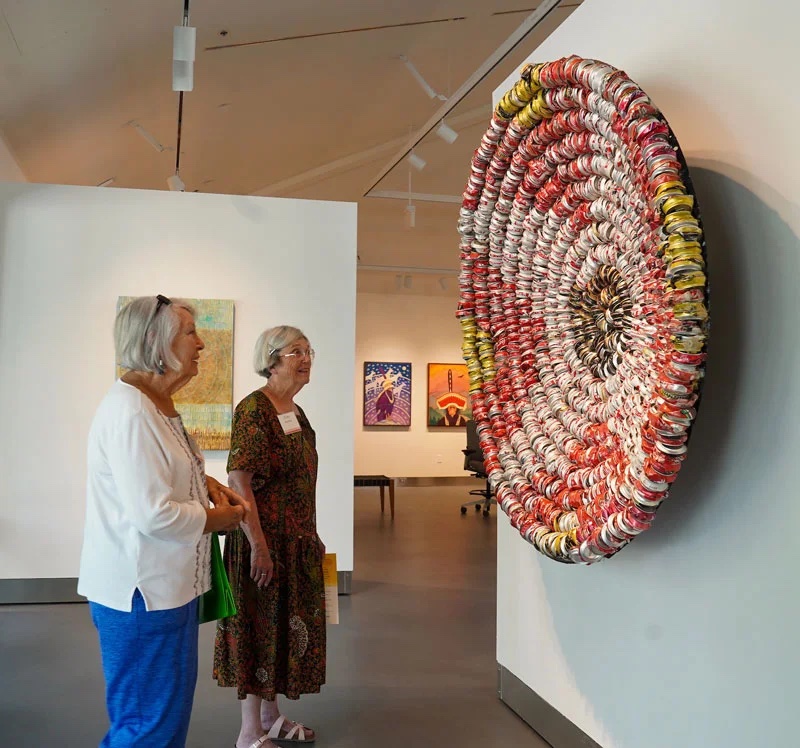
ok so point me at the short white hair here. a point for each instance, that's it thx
(144, 333)
(269, 345)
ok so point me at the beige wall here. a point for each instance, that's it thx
(420, 329)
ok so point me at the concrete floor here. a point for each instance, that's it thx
(412, 662)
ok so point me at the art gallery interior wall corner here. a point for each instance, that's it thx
(688, 637)
(9, 168)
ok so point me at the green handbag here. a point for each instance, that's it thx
(218, 601)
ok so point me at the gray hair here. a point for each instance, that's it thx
(270, 343)
(143, 338)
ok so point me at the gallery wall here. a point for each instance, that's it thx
(9, 168)
(688, 636)
(67, 253)
(419, 330)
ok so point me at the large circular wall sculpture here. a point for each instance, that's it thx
(583, 307)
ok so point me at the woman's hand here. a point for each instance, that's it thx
(261, 567)
(223, 518)
(214, 491)
(221, 495)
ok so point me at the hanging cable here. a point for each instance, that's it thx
(180, 127)
(183, 48)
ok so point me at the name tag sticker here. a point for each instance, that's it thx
(289, 422)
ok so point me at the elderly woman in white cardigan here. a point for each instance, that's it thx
(149, 509)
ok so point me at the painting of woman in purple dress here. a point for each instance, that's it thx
(387, 394)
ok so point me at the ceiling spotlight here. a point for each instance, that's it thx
(184, 39)
(411, 215)
(175, 184)
(419, 79)
(416, 161)
(446, 133)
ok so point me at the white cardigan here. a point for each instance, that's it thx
(145, 507)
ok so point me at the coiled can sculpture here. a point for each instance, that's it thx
(583, 306)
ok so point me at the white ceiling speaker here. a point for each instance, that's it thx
(416, 161)
(175, 184)
(184, 41)
(446, 133)
(411, 216)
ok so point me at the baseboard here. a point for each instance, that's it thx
(64, 590)
(344, 580)
(424, 482)
(39, 591)
(547, 721)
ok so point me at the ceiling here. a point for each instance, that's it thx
(302, 99)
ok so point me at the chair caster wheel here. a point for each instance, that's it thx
(463, 510)
(485, 512)
(477, 507)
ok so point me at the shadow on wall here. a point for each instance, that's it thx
(688, 636)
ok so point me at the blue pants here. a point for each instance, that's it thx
(150, 667)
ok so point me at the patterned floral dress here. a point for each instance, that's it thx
(276, 642)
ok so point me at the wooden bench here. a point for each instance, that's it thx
(381, 481)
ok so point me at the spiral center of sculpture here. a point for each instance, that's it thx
(600, 311)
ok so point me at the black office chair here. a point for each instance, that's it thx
(473, 461)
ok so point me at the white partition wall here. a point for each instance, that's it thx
(67, 253)
(688, 637)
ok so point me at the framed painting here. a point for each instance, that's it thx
(206, 403)
(449, 405)
(387, 394)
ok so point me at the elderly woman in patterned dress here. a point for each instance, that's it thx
(276, 642)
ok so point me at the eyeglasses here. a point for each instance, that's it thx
(310, 353)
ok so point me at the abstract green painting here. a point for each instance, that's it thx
(206, 403)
